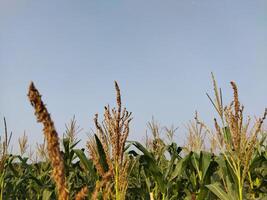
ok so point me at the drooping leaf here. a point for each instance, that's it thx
(219, 192)
(141, 148)
(180, 166)
(84, 160)
(153, 171)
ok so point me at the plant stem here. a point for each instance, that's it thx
(117, 182)
(251, 184)
(240, 185)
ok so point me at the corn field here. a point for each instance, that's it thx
(227, 161)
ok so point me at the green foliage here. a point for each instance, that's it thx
(157, 170)
(167, 174)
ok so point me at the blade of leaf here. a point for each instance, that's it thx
(218, 191)
(102, 154)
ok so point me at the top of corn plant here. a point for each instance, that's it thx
(196, 135)
(236, 141)
(51, 136)
(4, 146)
(107, 150)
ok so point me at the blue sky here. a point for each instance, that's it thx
(160, 52)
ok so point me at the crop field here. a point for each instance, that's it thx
(227, 161)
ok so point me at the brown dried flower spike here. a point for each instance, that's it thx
(52, 141)
(82, 194)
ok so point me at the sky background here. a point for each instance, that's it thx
(160, 52)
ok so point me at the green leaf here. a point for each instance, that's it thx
(174, 153)
(218, 191)
(205, 159)
(74, 144)
(151, 169)
(102, 154)
(84, 160)
(46, 195)
(140, 147)
(174, 150)
(227, 134)
(66, 144)
(180, 166)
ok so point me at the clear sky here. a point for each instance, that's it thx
(160, 52)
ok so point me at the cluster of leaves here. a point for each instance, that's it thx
(26, 180)
(159, 171)
(194, 176)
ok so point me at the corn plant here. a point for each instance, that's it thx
(237, 146)
(110, 167)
